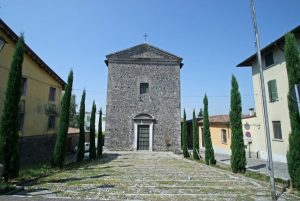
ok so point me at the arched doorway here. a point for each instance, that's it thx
(143, 132)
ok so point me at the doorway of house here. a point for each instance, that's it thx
(143, 137)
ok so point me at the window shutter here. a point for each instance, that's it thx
(273, 95)
(270, 90)
(274, 90)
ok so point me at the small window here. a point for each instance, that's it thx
(88, 118)
(277, 130)
(52, 94)
(269, 59)
(144, 88)
(23, 86)
(21, 114)
(273, 95)
(224, 136)
(51, 122)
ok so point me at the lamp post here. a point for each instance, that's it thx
(264, 104)
(2, 43)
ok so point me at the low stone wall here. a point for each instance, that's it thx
(35, 149)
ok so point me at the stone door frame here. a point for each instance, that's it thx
(143, 119)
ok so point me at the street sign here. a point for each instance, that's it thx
(248, 134)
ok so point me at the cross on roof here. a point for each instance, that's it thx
(145, 36)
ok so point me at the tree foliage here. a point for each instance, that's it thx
(200, 114)
(62, 133)
(80, 151)
(238, 154)
(100, 136)
(92, 133)
(209, 150)
(195, 137)
(184, 136)
(9, 124)
(73, 116)
(293, 68)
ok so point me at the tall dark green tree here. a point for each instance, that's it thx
(195, 137)
(80, 151)
(9, 123)
(200, 114)
(61, 138)
(73, 116)
(238, 154)
(92, 133)
(100, 136)
(184, 137)
(293, 68)
(209, 150)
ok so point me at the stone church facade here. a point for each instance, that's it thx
(143, 99)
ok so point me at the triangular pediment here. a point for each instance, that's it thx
(144, 51)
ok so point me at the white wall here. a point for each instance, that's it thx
(278, 110)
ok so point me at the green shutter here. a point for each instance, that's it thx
(274, 91)
(273, 95)
(270, 91)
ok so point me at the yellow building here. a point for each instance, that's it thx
(220, 134)
(40, 102)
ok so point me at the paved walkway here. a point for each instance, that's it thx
(258, 165)
(147, 176)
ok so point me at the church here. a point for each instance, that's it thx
(143, 100)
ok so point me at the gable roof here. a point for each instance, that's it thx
(14, 37)
(277, 43)
(143, 51)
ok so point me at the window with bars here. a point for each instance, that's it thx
(51, 122)
(21, 114)
(277, 130)
(272, 87)
(23, 86)
(144, 88)
(224, 136)
(52, 93)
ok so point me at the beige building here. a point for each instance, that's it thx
(276, 82)
(220, 132)
(40, 101)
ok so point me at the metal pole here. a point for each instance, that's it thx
(264, 104)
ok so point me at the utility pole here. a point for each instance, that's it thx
(264, 104)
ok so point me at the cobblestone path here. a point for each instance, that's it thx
(150, 176)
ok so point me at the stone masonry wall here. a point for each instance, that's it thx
(124, 102)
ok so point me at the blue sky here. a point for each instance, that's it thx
(212, 36)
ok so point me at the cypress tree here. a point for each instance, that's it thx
(9, 123)
(238, 154)
(195, 137)
(184, 136)
(200, 114)
(100, 137)
(61, 138)
(293, 68)
(73, 116)
(92, 133)
(209, 150)
(80, 151)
